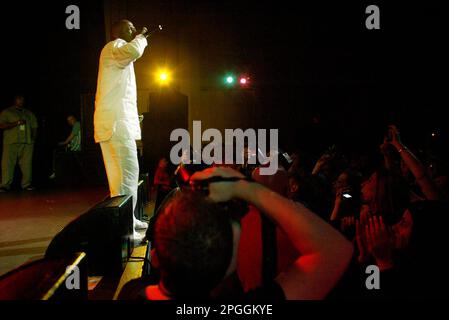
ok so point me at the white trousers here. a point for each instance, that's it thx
(122, 167)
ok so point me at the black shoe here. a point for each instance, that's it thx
(3, 190)
(29, 188)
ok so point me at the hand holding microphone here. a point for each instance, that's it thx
(147, 33)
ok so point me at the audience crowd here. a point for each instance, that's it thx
(330, 224)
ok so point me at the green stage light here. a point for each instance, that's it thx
(229, 79)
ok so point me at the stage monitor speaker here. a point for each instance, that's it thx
(103, 233)
(168, 111)
(47, 279)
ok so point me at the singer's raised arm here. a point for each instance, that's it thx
(124, 53)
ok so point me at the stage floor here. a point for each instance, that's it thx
(30, 219)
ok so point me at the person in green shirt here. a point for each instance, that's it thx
(72, 143)
(19, 134)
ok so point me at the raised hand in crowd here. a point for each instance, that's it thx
(418, 170)
(322, 162)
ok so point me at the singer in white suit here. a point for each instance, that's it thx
(116, 119)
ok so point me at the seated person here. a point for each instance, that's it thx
(72, 143)
(196, 244)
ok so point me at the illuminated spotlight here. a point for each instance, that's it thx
(163, 77)
(434, 134)
(229, 79)
(244, 81)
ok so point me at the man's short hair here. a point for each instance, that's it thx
(117, 27)
(194, 244)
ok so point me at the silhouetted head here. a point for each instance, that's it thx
(71, 120)
(19, 101)
(124, 29)
(386, 194)
(163, 163)
(195, 244)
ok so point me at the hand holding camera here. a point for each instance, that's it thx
(343, 194)
(222, 183)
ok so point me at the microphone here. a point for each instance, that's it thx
(148, 33)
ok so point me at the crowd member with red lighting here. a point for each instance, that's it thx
(196, 243)
(161, 182)
(347, 196)
(398, 234)
(405, 252)
(116, 119)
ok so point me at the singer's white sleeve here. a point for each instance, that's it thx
(125, 53)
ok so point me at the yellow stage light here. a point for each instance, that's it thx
(163, 77)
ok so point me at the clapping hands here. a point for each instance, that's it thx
(375, 239)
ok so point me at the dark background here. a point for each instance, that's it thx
(309, 61)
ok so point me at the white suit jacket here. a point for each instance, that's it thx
(116, 98)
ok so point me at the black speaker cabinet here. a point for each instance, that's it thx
(47, 279)
(103, 233)
(168, 111)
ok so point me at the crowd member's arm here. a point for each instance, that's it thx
(416, 167)
(325, 253)
(322, 161)
(336, 212)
